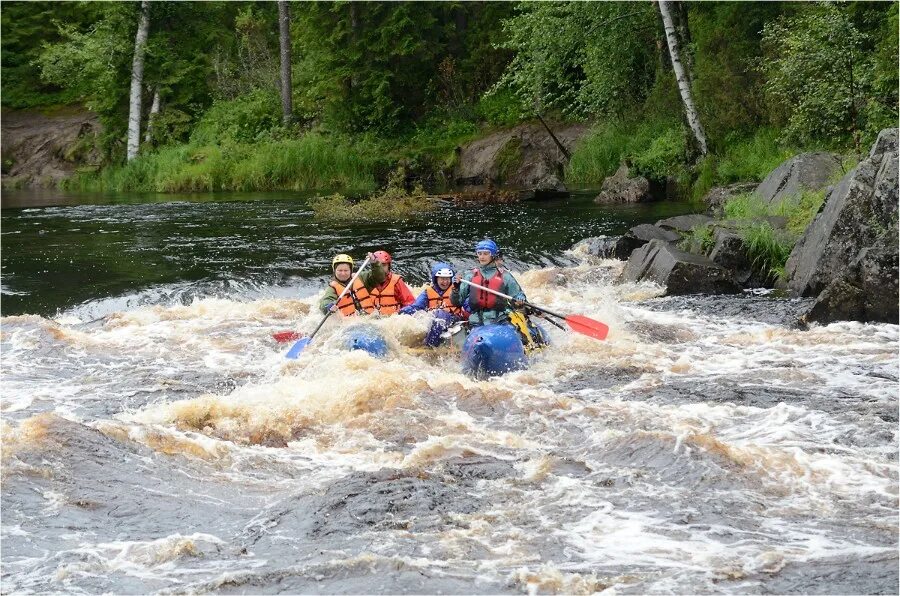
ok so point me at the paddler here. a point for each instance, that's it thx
(358, 300)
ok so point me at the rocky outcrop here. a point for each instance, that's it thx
(607, 247)
(522, 157)
(859, 210)
(807, 171)
(866, 291)
(681, 272)
(684, 223)
(40, 149)
(621, 187)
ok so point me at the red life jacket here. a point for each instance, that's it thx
(485, 300)
(385, 298)
(357, 300)
(438, 301)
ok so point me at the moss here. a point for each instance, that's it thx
(509, 158)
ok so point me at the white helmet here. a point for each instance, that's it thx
(444, 272)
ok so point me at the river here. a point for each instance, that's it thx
(155, 439)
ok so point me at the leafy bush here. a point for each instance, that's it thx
(663, 157)
(500, 108)
(393, 202)
(249, 118)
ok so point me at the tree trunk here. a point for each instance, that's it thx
(137, 77)
(154, 109)
(684, 87)
(284, 29)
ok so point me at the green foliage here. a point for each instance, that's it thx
(767, 249)
(802, 212)
(663, 157)
(309, 163)
(501, 108)
(699, 240)
(606, 146)
(818, 74)
(393, 202)
(751, 159)
(246, 119)
(570, 57)
(799, 210)
(509, 158)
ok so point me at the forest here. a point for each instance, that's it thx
(316, 95)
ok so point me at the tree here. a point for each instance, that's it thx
(683, 79)
(284, 37)
(137, 80)
(818, 75)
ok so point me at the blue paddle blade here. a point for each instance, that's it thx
(298, 347)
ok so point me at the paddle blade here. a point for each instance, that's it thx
(286, 336)
(297, 348)
(585, 326)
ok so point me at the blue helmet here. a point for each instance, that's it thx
(443, 268)
(489, 245)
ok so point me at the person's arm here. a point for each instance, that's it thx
(420, 303)
(404, 294)
(327, 300)
(374, 277)
(460, 292)
(512, 287)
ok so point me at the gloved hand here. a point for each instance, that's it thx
(457, 283)
(518, 301)
(332, 307)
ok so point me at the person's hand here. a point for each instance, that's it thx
(457, 281)
(518, 301)
(370, 256)
(333, 307)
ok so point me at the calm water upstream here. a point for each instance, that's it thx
(154, 438)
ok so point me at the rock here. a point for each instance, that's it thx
(521, 157)
(600, 246)
(40, 150)
(621, 188)
(866, 291)
(640, 235)
(860, 209)
(684, 223)
(730, 252)
(807, 171)
(681, 272)
(716, 198)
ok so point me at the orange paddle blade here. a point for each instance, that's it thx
(585, 326)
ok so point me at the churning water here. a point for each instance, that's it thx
(154, 438)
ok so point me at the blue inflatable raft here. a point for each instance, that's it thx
(495, 349)
(367, 338)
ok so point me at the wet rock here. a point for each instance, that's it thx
(770, 309)
(730, 252)
(684, 223)
(681, 272)
(621, 187)
(386, 500)
(599, 246)
(716, 198)
(859, 212)
(524, 156)
(866, 291)
(807, 171)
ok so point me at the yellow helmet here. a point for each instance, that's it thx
(341, 258)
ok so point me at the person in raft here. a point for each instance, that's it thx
(486, 307)
(392, 294)
(359, 299)
(436, 299)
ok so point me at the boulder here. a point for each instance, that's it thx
(716, 198)
(866, 291)
(639, 236)
(859, 209)
(807, 171)
(681, 272)
(684, 223)
(730, 252)
(622, 188)
(522, 157)
(600, 246)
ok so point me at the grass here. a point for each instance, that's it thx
(311, 162)
(767, 249)
(700, 239)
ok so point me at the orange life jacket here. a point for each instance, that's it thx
(386, 302)
(357, 300)
(485, 300)
(438, 301)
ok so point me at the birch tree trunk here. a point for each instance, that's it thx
(137, 77)
(154, 109)
(284, 29)
(684, 86)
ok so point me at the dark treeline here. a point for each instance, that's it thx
(416, 78)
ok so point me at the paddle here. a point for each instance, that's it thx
(577, 323)
(298, 347)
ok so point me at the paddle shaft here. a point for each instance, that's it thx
(508, 297)
(344, 293)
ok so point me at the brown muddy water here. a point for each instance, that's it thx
(155, 439)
